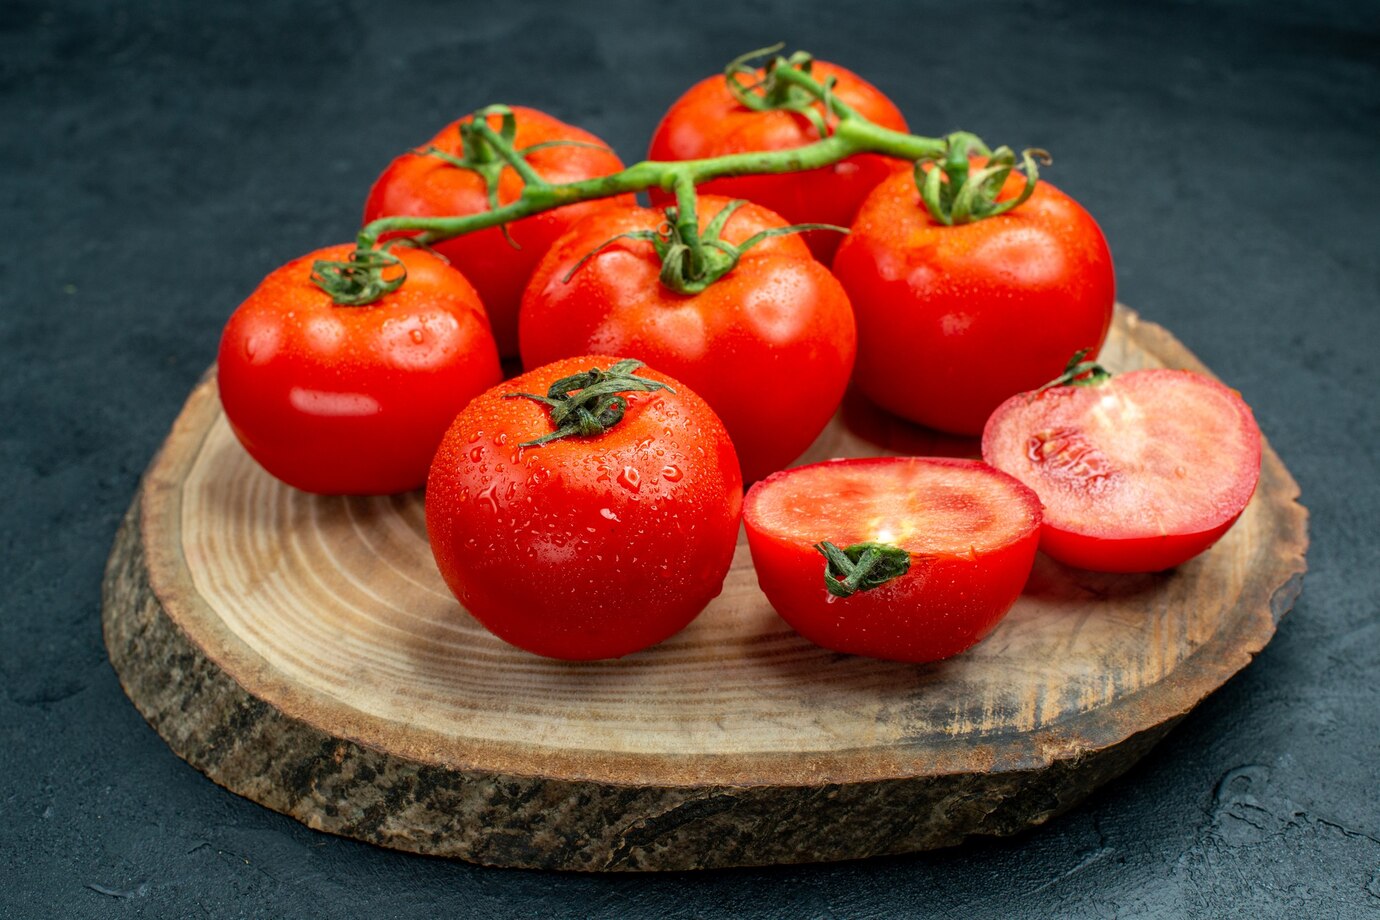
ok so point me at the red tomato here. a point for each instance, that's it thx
(769, 345)
(584, 547)
(353, 400)
(425, 186)
(970, 533)
(953, 320)
(709, 122)
(1137, 474)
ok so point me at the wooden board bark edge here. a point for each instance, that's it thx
(557, 814)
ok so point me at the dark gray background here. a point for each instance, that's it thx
(160, 158)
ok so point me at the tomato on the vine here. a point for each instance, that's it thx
(709, 121)
(952, 320)
(353, 399)
(429, 185)
(611, 533)
(769, 345)
(1138, 473)
(905, 558)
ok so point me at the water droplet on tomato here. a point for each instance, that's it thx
(671, 473)
(416, 336)
(488, 496)
(476, 436)
(630, 479)
(477, 454)
(608, 514)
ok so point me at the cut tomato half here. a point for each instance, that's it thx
(964, 535)
(1137, 474)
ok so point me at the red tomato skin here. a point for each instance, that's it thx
(943, 605)
(424, 186)
(584, 548)
(1064, 540)
(353, 400)
(769, 346)
(1143, 554)
(708, 122)
(953, 320)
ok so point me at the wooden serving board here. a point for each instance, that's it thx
(303, 652)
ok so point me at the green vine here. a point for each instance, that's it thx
(952, 190)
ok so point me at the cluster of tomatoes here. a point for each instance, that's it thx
(590, 507)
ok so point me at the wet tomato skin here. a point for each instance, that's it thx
(708, 122)
(769, 346)
(425, 186)
(953, 320)
(1139, 474)
(353, 400)
(584, 547)
(949, 599)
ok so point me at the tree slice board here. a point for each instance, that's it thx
(303, 652)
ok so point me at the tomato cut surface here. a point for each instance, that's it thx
(1138, 474)
(971, 532)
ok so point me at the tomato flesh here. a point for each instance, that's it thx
(971, 532)
(1138, 474)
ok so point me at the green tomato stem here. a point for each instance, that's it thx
(787, 86)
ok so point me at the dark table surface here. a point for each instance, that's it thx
(159, 158)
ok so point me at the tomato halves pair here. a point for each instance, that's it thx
(585, 546)
(708, 122)
(938, 551)
(425, 185)
(769, 345)
(353, 400)
(952, 320)
(1139, 473)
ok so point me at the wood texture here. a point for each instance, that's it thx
(303, 652)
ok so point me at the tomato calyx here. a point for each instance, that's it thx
(363, 278)
(861, 567)
(692, 260)
(487, 152)
(1078, 373)
(954, 192)
(772, 92)
(589, 403)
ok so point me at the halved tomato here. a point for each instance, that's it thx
(1138, 473)
(906, 558)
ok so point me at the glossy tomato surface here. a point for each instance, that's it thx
(1137, 474)
(584, 547)
(971, 532)
(708, 122)
(769, 346)
(425, 186)
(353, 400)
(953, 320)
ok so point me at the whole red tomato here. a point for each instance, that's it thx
(931, 553)
(353, 400)
(708, 121)
(420, 185)
(585, 546)
(769, 345)
(952, 320)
